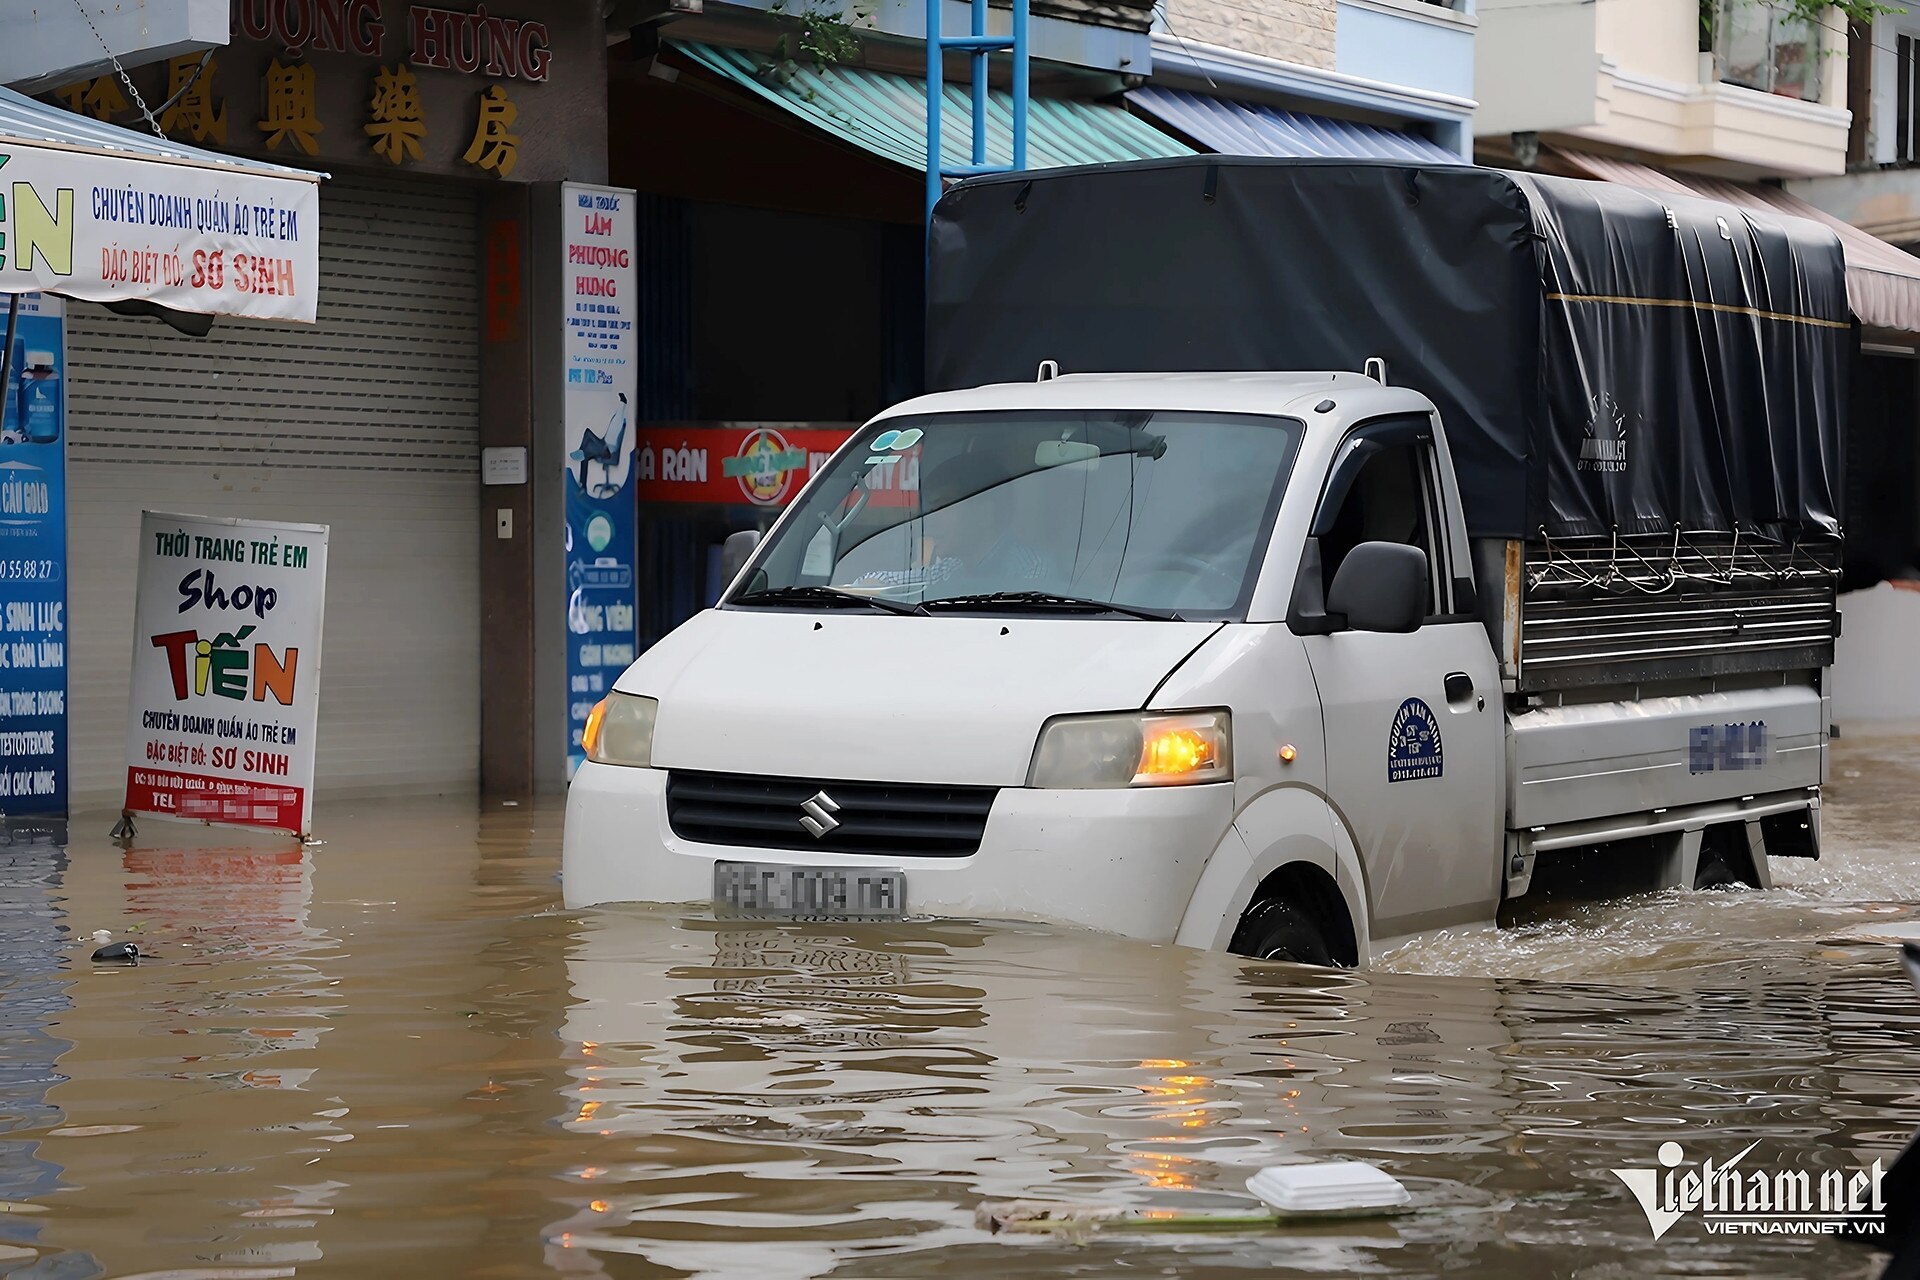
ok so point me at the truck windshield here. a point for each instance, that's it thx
(1132, 513)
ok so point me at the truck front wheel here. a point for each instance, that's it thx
(1279, 929)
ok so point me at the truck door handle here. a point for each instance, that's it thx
(1459, 686)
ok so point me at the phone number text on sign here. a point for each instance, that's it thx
(29, 571)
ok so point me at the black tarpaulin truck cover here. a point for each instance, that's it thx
(1605, 359)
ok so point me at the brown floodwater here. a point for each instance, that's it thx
(393, 1054)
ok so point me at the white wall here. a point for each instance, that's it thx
(1655, 38)
(1537, 67)
(1876, 668)
(44, 45)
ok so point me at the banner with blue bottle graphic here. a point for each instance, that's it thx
(597, 225)
(33, 563)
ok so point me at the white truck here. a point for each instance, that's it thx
(1296, 664)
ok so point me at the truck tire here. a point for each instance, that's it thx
(1280, 929)
(1725, 862)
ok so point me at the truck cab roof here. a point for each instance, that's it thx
(1293, 395)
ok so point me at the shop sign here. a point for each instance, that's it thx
(226, 671)
(33, 561)
(472, 43)
(114, 228)
(750, 464)
(601, 363)
(435, 88)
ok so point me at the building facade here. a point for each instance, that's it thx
(441, 128)
(1405, 66)
(1736, 91)
(1744, 102)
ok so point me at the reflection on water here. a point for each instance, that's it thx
(32, 997)
(392, 1055)
(814, 1100)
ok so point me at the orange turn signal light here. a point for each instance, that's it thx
(1174, 751)
(590, 736)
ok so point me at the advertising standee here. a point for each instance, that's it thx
(226, 671)
(33, 558)
(601, 380)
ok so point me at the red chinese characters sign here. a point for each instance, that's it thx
(742, 465)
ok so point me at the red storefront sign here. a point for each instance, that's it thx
(234, 801)
(760, 466)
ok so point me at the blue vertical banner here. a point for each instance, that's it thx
(597, 236)
(33, 563)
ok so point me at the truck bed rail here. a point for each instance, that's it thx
(1627, 610)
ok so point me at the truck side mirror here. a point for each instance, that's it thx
(735, 552)
(1381, 586)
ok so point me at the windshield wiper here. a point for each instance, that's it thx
(1047, 600)
(824, 595)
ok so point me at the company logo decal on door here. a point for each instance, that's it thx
(1413, 744)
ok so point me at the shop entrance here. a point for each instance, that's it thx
(683, 546)
(696, 485)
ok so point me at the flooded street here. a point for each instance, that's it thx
(392, 1054)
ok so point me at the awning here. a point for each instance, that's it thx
(1254, 129)
(886, 114)
(1883, 283)
(110, 215)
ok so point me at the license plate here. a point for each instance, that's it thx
(809, 891)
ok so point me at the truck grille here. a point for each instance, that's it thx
(907, 820)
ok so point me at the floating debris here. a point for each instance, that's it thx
(1336, 1188)
(1290, 1193)
(1059, 1217)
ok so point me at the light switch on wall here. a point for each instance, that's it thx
(503, 522)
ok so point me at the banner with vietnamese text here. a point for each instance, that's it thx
(33, 564)
(218, 241)
(226, 671)
(600, 346)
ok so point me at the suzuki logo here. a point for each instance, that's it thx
(817, 814)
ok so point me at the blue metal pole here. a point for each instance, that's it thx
(936, 96)
(1019, 83)
(980, 56)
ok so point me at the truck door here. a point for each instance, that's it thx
(1415, 739)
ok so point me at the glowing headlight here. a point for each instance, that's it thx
(1139, 749)
(620, 730)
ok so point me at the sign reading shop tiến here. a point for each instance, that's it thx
(226, 671)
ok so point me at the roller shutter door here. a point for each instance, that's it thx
(366, 422)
